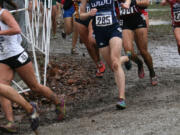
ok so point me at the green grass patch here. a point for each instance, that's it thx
(158, 6)
(160, 15)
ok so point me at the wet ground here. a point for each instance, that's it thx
(91, 101)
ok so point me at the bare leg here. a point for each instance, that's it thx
(75, 35)
(54, 23)
(141, 35)
(128, 38)
(115, 54)
(27, 74)
(5, 78)
(177, 36)
(12, 95)
(68, 25)
(89, 44)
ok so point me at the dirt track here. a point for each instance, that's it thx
(150, 110)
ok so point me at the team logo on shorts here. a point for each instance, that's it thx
(101, 44)
(119, 29)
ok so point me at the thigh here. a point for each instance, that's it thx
(82, 30)
(115, 44)
(128, 38)
(177, 34)
(7, 74)
(141, 38)
(54, 11)
(68, 25)
(26, 72)
(105, 53)
(91, 34)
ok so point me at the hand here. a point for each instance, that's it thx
(93, 12)
(125, 5)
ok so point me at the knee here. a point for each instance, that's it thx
(115, 65)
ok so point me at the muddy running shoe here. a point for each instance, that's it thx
(100, 70)
(61, 110)
(73, 51)
(53, 36)
(10, 127)
(63, 35)
(141, 73)
(128, 64)
(34, 117)
(154, 81)
(121, 104)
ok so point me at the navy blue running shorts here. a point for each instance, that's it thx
(104, 34)
(84, 22)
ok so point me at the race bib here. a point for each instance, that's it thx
(128, 11)
(177, 16)
(104, 19)
(23, 57)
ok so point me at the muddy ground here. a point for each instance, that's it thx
(91, 101)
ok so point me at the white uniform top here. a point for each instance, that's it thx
(10, 45)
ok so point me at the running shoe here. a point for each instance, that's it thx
(61, 110)
(128, 64)
(63, 35)
(34, 117)
(73, 51)
(154, 81)
(141, 73)
(100, 69)
(53, 36)
(10, 127)
(121, 104)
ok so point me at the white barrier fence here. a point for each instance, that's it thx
(38, 30)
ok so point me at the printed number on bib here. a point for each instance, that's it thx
(23, 57)
(104, 20)
(177, 16)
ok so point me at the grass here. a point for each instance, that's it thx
(157, 6)
(160, 15)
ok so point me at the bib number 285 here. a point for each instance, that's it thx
(104, 20)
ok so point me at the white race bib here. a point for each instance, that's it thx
(104, 19)
(177, 16)
(23, 57)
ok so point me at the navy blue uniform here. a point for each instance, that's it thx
(105, 23)
(131, 18)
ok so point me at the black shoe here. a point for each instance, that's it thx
(63, 35)
(128, 64)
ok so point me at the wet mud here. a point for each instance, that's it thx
(91, 101)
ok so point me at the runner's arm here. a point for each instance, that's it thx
(8, 19)
(142, 3)
(83, 14)
(164, 2)
(126, 4)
